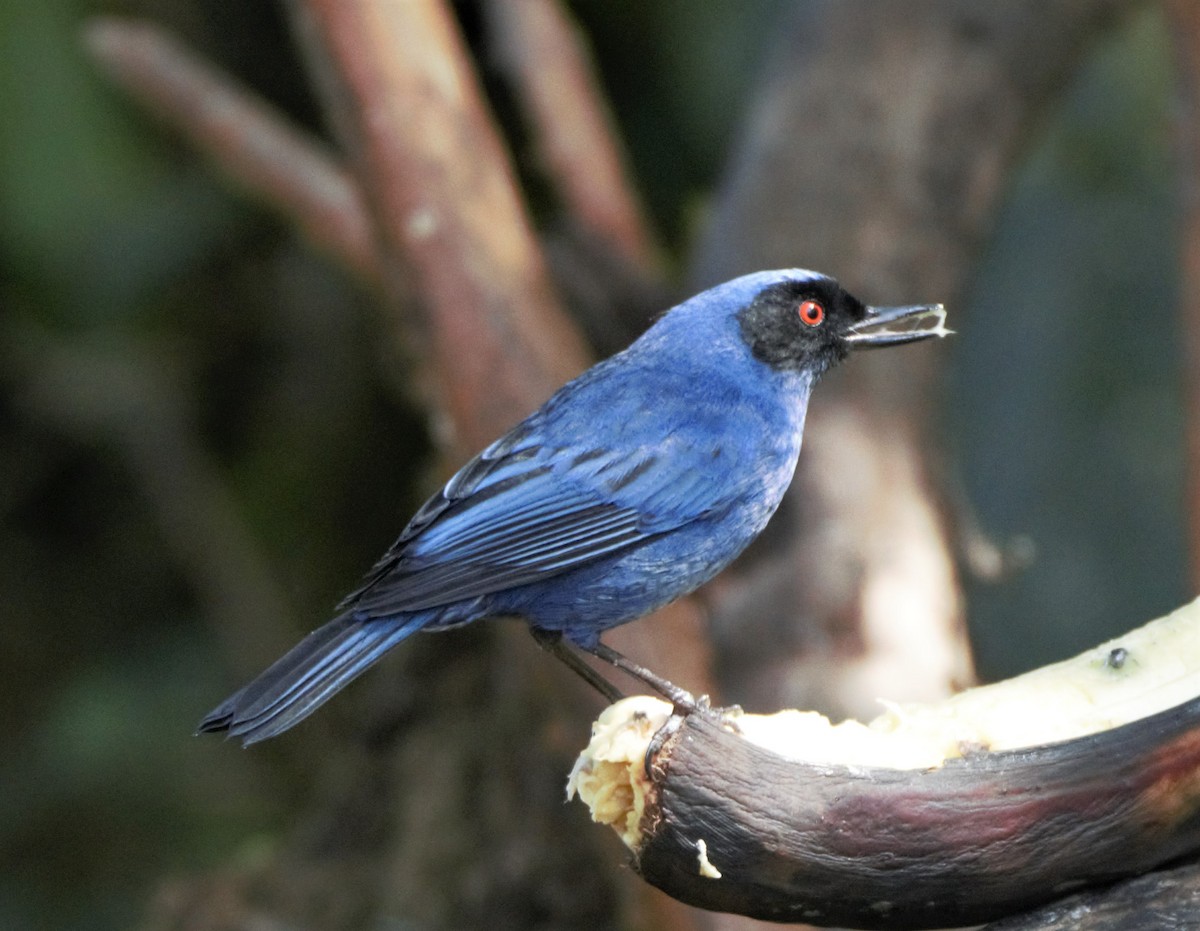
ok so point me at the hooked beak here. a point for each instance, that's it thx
(891, 326)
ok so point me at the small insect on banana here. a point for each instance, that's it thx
(934, 815)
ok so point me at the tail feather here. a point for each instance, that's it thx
(307, 676)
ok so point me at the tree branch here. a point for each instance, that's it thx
(405, 100)
(914, 112)
(247, 138)
(573, 131)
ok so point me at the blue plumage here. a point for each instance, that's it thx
(634, 484)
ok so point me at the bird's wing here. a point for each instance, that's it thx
(522, 510)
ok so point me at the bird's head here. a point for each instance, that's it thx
(804, 321)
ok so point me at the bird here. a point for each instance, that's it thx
(634, 484)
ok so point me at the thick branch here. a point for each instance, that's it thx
(442, 191)
(875, 151)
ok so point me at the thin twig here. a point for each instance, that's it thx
(251, 141)
(573, 132)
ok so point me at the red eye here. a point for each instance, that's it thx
(811, 313)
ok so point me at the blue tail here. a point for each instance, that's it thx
(309, 675)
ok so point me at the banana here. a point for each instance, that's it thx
(936, 815)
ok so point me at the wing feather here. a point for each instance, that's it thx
(527, 508)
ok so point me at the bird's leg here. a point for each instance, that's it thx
(682, 699)
(552, 642)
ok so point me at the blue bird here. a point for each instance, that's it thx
(633, 485)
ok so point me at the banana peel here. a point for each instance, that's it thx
(994, 801)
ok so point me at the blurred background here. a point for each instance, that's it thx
(199, 421)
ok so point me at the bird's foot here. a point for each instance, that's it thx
(552, 642)
(683, 701)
